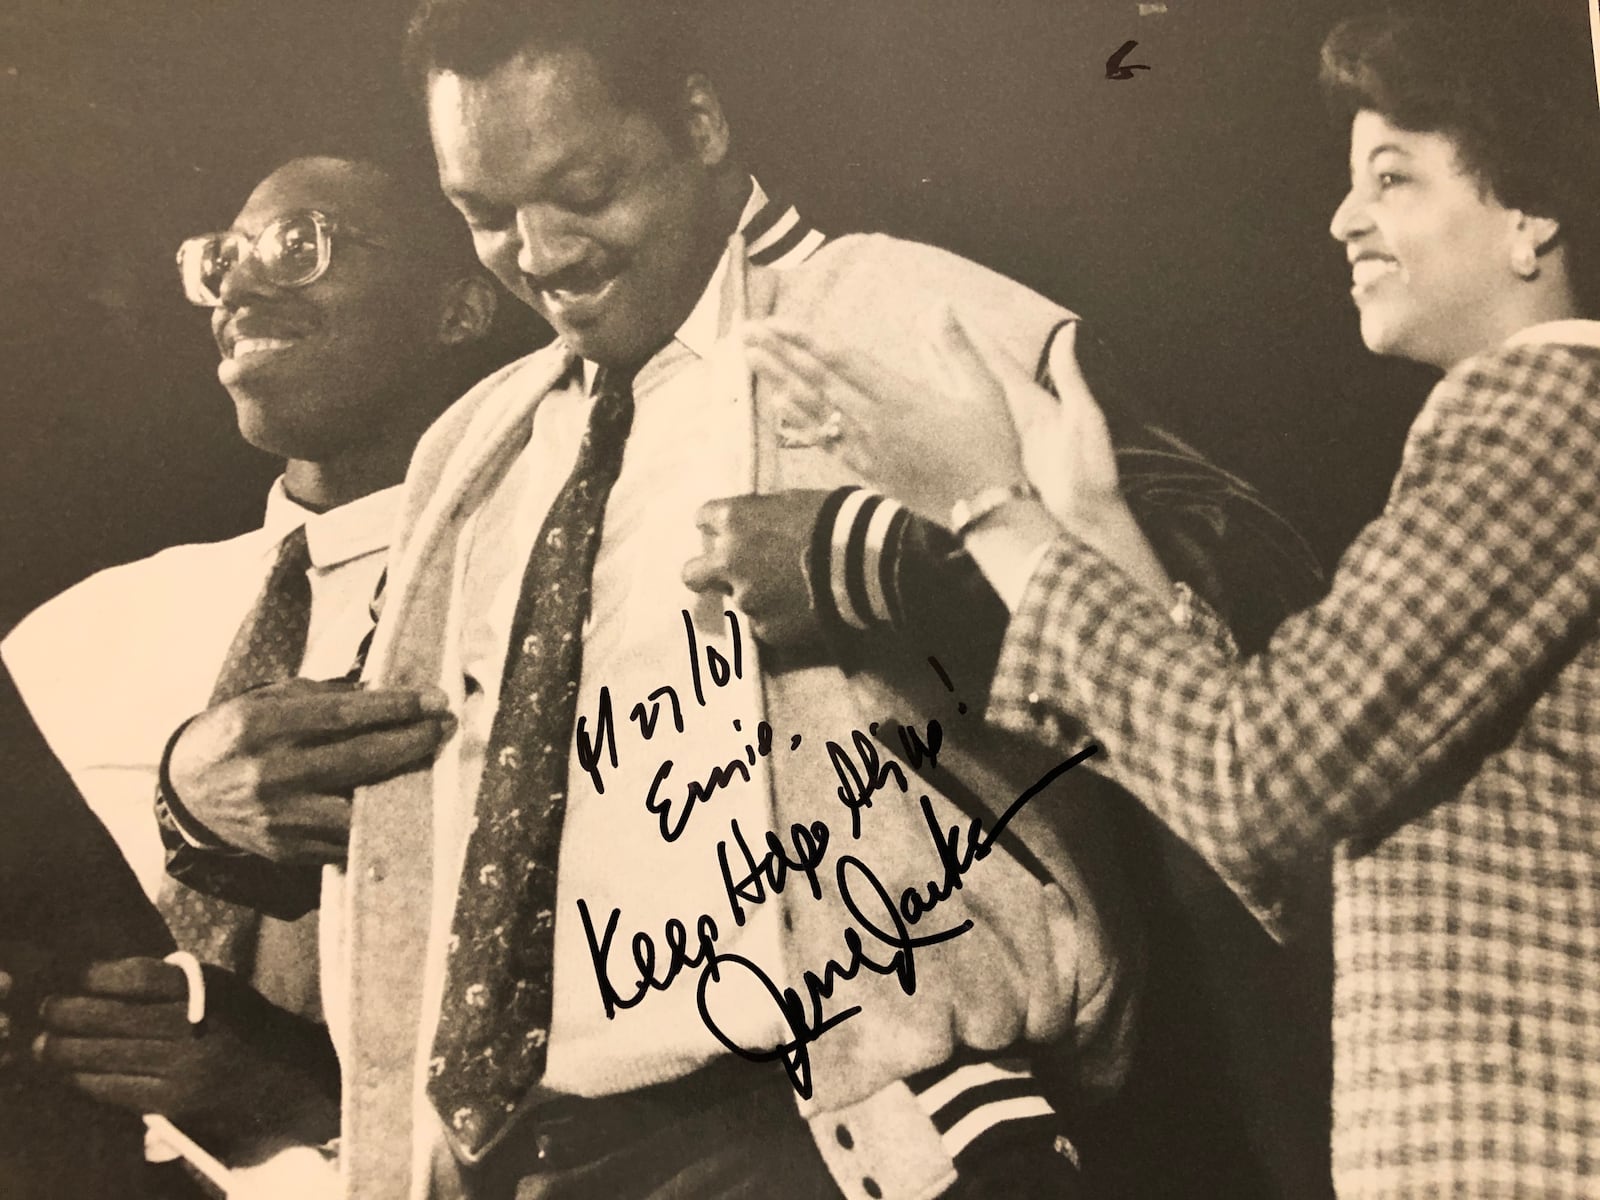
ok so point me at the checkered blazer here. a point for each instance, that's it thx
(1436, 722)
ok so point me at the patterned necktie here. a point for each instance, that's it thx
(269, 647)
(489, 1048)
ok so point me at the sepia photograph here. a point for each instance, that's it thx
(850, 600)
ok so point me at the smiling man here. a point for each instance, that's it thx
(539, 578)
(348, 311)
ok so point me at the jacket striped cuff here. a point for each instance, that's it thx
(971, 1101)
(854, 558)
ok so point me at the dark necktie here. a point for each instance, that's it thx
(489, 1048)
(269, 647)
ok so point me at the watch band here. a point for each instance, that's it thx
(966, 515)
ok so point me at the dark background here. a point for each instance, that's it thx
(1184, 211)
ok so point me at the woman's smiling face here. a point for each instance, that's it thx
(1430, 247)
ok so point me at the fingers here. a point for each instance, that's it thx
(709, 571)
(141, 1093)
(705, 574)
(714, 517)
(146, 979)
(790, 353)
(344, 709)
(363, 758)
(302, 830)
(844, 398)
(93, 1016)
(106, 1056)
(798, 376)
(961, 352)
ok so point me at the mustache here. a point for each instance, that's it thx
(581, 277)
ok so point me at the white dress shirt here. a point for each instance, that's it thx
(689, 443)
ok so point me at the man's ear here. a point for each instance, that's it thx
(468, 310)
(704, 121)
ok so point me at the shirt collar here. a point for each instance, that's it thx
(1574, 331)
(350, 531)
(699, 330)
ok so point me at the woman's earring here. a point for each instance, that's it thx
(1525, 262)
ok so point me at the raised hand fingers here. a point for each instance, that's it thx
(789, 356)
(797, 376)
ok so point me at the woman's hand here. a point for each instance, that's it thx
(932, 446)
(929, 447)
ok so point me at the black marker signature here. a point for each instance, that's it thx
(890, 928)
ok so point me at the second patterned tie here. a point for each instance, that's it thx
(269, 647)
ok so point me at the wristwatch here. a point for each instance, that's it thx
(966, 515)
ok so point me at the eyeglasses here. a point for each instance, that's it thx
(292, 252)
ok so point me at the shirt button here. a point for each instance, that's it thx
(845, 1140)
(543, 1148)
(1034, 702)
(869, 1185)
(375, 873)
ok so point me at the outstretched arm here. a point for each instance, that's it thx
(1448, 616)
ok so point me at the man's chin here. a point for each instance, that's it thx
(611, 343)
(262, 426)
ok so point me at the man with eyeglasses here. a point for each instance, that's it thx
(349, 312)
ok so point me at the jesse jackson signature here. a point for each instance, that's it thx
(885, 934)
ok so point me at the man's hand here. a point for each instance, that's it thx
(755, 547)
(250, 1070)
(271, 771)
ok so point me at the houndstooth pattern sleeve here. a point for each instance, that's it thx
(1444, 614)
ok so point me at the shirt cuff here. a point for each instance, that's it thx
(1009, 569)
(1030, 679)
(176, 821)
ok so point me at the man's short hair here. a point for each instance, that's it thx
(644, 48)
